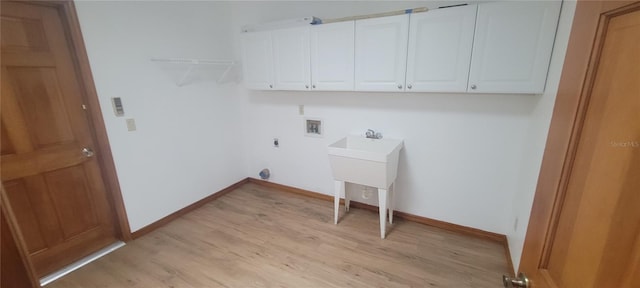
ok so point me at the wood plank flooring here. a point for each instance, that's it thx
(261, 237)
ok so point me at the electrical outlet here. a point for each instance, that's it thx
(276, 142)
(366, 193)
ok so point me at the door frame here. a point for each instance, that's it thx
(578, 75)
(71, 26)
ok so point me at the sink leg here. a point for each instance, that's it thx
(382, 203)
(347, 201)
(392, 202)
(338, 191)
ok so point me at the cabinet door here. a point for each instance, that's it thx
(512, 46)
(257, 60)
(440, 43)
(291, 59)
(381, 53)
(332, 56)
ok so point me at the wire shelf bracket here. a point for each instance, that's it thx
(192, 63)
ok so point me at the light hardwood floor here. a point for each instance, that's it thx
(261, 237)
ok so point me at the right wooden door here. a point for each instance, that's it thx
(381, 53)
(440, 43)
(53, 180)
(512, 46)
(585, 223)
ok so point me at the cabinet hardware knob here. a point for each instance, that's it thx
(409, 86)
(306, 86)
(399, 86)
(270, 86)
(313, 86)
(473, 86)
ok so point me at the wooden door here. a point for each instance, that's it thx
(332, 56)
(585, 223)
(512, 46)
(54, 189)
(440, 43)
(257, 60)
(381, 53)
(291, 59)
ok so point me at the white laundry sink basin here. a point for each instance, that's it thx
(365, 161)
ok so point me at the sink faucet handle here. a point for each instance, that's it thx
(370, 133)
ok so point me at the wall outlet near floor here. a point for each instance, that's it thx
(366, 194)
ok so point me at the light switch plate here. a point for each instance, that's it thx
(131, 124)
(118, 109)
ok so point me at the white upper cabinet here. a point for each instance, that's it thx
(512, 46)
(381, 53)
(332, 56)
(440, 44)
(493, 47)
(257, 60)
(291, 62)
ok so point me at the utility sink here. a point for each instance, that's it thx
(370, 162)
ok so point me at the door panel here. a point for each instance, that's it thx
(73, 200)
(292, 63)
(592, 238)
(25, 34)
(56, 191)
(257, 64)
(332, 56)
(15, 271)
(18, 196)
(381, 53)
(512, 46)
(440, 44)
(41, 104)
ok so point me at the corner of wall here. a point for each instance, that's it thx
(537, 137)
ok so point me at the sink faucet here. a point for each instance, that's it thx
(373, 134)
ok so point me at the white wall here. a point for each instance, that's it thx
(540, 120)
(187, 143)
(463, 152)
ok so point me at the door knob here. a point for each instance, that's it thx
(88, 152)
(520, 281)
